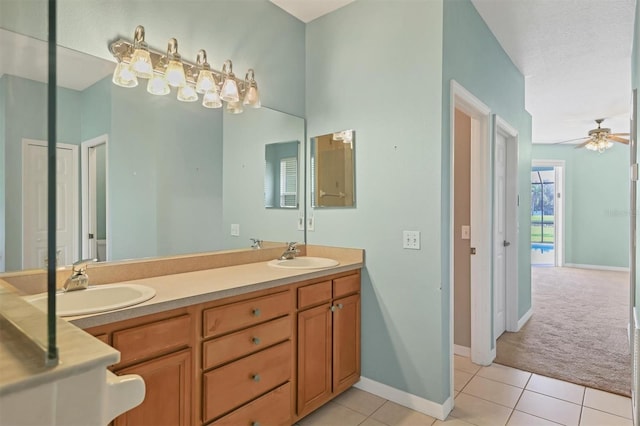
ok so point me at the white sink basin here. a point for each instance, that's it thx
(99, 298)
(305, 262)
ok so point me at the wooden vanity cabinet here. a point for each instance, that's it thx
(328, 336)
(159, 348)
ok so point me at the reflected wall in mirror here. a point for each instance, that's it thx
(165, 191)
(333, 169)
(281, 175)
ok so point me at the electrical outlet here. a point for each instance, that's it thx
(235, 229)
(310, 223)
(301, 223)
(411, 240)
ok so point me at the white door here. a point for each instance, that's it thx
(34, 182)
(500, 236)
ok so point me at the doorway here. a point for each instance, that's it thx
(95, 235)
(34, 204)
(547, 206)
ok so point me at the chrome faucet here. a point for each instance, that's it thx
(79, 280)
(290, 252)
(256, 243)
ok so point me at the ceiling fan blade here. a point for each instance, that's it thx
(569, 140)
(583, 144)
(619, 134)
(618, 139)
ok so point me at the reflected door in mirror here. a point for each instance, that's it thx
(333, 173)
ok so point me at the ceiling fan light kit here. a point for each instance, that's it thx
(601, 138)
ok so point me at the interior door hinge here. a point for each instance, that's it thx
(634, 172)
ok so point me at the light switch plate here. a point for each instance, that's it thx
(235, 229)
(311, 222)
(466, 232)
(411, 240)
(301, 223)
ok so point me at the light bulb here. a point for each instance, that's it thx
(211, 99)
(205, 82)
(234, 107)
(187, 94)
(229, 91)
(158, 85)
(123, 76)
(141, 63)
(175, 74)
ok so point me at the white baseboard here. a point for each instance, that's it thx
(522, 321)
(430, 408)
(601, 267)
(462, 350)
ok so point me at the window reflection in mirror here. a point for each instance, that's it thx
(333, 169)
(281, 175)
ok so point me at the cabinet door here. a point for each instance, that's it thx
(346, 342)
(314, 358)
(167, 398)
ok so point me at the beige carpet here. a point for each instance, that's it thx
(578, 331)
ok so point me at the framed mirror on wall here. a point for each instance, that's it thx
(332, 170)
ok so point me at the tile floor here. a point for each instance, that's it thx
(491, 396)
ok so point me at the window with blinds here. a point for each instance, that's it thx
(289, 182)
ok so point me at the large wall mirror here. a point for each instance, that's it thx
(138, 175)
(333, 169)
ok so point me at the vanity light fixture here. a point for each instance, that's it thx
(164, 71)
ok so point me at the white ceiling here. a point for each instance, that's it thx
(575, 56)
(576, 59)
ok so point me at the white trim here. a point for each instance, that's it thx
(526, 317)
(406, 399)
(511, 230)
(600, 267)
(462, 350)
(84, 158)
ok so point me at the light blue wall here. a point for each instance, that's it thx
(376, 67)
(475, 59)
(252, 33)
(3, 85)
(26, 118)
(596, 221)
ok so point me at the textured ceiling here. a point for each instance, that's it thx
(576, 59)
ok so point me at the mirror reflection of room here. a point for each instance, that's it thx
(281, 175)
(332, 165)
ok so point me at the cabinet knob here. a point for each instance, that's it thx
(255, 312)
(340, 306)
(255, 378)
(255, 340)
(255, 424)
(333, 308)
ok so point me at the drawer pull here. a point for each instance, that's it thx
(255, 312)
(255, 340)
(255, 424)
(340, 306)
(333, 308)
(256, 378)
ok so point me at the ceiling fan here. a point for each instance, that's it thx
(601, 138)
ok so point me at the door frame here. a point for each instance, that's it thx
(500, 126)
(86, 205)
(559, 171)
(74, 196)
(481, 221)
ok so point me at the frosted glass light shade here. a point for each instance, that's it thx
(158, 85)
(211, 99)
(205, 81)
(187, 94)
(252, 98)
(123, 76)
(229, 91)
(234, 107)
(175, 74)
(141, 63)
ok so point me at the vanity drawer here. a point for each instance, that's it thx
(228, 387)
(241, 343)
(151, 339)
(273, 408)
(223, 319)
(314, 294)
(346, 285)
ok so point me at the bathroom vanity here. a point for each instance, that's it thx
(245, 344)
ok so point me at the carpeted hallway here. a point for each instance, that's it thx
(578, 331)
